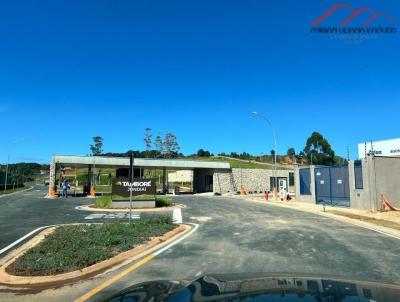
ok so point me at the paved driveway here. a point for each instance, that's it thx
(238, 236)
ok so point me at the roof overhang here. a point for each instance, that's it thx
(103, 161)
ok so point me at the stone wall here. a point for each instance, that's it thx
(180, 175)
(258, 180)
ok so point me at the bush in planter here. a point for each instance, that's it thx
(163, 201)
(103, 201)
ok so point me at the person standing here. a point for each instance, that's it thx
(65, 188)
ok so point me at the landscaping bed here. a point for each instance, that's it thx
(105, 202)
(74, 247)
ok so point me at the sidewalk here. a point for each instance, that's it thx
(387, 223)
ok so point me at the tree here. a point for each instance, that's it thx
(97, 146)
(291, 152)
(272, 156)
(234, 155)
(318, 151)
(200, 153)
(245, 155)
(147, 140)
(159, 145)
(203, 153)
(171, 146)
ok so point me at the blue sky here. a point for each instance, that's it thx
(71, 70)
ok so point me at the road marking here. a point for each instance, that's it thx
(130, 269)
(33, 232)
(22, 239)
(110, 281)
(112, 216)
(201, 218)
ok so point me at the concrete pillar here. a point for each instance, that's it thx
(372, 192)
(312, 183)
(297, 182)
(52, 181)
(352, 182)
(89, 183)
(165, 181)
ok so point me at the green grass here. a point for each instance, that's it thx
(75, 247)
(238, 163)
(2, 192)
(104, 202)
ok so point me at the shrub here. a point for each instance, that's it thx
(74, 247)
(163, 201)
(103, 201)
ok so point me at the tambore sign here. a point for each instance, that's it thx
(139, 186)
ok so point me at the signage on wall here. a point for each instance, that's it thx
(390, 147)
(139, 186)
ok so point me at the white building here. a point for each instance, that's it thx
(389, 147)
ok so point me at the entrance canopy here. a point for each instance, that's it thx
(103, 161)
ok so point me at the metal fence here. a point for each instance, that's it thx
(332, 185)
(305, 180)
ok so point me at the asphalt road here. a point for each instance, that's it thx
(236, 236)
(26, 211)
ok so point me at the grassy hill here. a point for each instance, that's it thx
(241, 163)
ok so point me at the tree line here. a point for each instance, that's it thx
(317, 150)
(158, 147)
(19, 173)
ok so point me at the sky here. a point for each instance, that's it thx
(71, 70)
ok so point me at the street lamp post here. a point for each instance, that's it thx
(8, 161)
(255, 113)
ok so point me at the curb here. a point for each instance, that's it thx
(13, 193)
(154, 246)
(382, 230)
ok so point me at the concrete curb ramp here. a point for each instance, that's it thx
(99, 268)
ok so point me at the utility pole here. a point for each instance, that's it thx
(275, 150)
(130, 185)
(8, 160)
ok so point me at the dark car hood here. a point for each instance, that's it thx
(260, 287)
